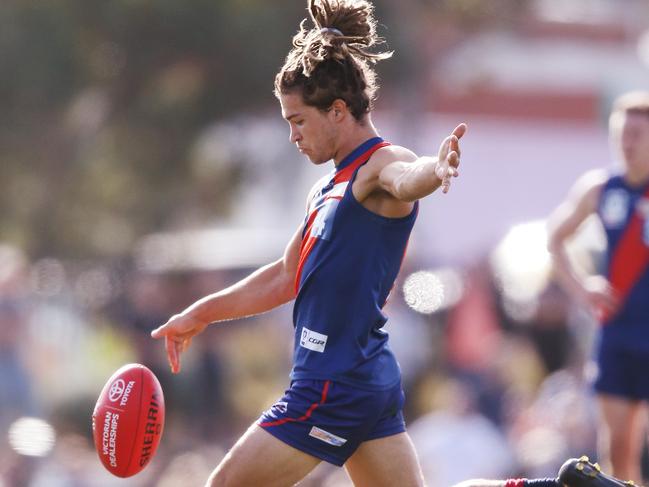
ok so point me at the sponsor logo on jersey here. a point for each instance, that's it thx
(615, 207)
(313, 340)
(327, 437)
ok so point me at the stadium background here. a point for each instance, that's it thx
(144, 163)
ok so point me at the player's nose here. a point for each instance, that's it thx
(295, 135)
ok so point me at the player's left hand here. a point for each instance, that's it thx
(448, 157)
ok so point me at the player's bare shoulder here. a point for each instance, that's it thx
(586, 190)
(582, 201)
(389, 154)
(367, 179)
(368, 188)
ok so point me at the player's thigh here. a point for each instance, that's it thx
(258, 458)
(387, 461)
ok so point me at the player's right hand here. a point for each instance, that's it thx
(600, 296)
(178, 333)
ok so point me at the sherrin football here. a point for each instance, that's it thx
(128, 420)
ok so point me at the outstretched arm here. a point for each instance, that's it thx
(410, 178)
(595, 291)
(263, 290)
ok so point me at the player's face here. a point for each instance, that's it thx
(312, 130)
(630, 133)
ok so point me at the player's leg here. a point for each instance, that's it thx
(575, 472)
(387, 461)
(257, 459)
(481, 483)
(621, 434)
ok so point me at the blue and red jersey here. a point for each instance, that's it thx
(349, 260)
(624, 212)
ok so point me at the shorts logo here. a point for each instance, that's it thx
(281, 406)
(313, 340)
(327, 437)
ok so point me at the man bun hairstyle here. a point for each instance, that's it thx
(331, 60)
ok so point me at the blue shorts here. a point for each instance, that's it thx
(329, 420)
(622, 372)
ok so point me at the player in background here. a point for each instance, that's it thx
(619, 297)
(575, 472)
(344, 403)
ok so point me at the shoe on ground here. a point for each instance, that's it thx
(580, 472)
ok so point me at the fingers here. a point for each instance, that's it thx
(444, 148)
(173, 354)
(447, 170)
(456, 135)
(453, 161)
(160, 331)
(460, 130)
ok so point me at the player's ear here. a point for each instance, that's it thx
(338, 109)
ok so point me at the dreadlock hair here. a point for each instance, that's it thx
(331, 60)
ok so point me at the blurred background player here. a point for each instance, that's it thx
(575, 472)
(620, 296)
(345, 401)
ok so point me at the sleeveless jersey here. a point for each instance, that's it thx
(349, 260)
(622, 207)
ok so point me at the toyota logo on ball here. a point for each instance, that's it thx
(116, 390)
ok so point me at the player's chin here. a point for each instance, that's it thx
(316, 159)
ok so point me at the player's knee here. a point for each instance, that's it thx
(221, 477)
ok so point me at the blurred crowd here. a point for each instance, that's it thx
(494, 389)
(126, 118)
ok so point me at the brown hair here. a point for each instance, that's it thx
(331, 60)
(633, 102)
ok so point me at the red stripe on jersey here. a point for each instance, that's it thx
(347, 173)
(630, 258)
(305, 250)
(306, 415)
(308, 242)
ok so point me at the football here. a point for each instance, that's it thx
(128, 420)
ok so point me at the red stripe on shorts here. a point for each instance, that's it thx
(306, 415)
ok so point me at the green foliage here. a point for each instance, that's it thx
(103, 100)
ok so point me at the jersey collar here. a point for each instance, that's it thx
(360, 150)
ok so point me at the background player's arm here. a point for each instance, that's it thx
(263, 290)
(409, 178)
(562, 224)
